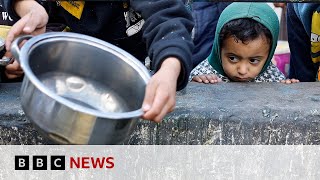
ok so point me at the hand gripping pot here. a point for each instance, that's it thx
(80, 90)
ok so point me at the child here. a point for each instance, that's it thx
(246, 38)
(158, 29)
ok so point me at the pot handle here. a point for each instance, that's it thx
(15, 49)
(5, 61)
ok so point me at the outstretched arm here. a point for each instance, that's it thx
(167, 33)
(160, 97)
(33, 19)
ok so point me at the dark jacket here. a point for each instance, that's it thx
(166, 30)
(303, 36)
(205, 15)
(5, 22)
(5, 19)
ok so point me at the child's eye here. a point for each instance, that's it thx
(233, 59)
(254, 61)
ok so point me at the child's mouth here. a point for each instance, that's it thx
(242, 79)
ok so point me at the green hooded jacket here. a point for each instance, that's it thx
(260, 12)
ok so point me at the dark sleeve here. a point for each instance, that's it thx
(301, 65)
(167, 32)
(8, 5)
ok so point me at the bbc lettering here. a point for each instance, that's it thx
(39, 163)
(58, 163)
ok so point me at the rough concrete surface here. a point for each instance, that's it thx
(224, 113)
(14, 127)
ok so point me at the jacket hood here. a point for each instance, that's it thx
(260, 12)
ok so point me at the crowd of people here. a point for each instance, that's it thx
(204, 42)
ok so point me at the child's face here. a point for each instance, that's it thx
(243, 62)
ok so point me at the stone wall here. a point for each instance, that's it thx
(224, 113)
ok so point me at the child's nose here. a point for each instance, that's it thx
(243, 69)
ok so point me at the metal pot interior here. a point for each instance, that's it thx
(88, 74)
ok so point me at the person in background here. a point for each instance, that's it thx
(283, 34)
(205, 15)
(160, 29)
(244, 44)
(11, 72)
(303, 24)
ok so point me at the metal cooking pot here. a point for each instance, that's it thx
(5, 60)
(80, 90)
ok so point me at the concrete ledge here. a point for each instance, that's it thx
(14, 127)
(225, 113)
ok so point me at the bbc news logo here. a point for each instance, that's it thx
(59, 163)
(39, 163)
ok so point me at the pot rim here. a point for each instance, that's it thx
(125, 56)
